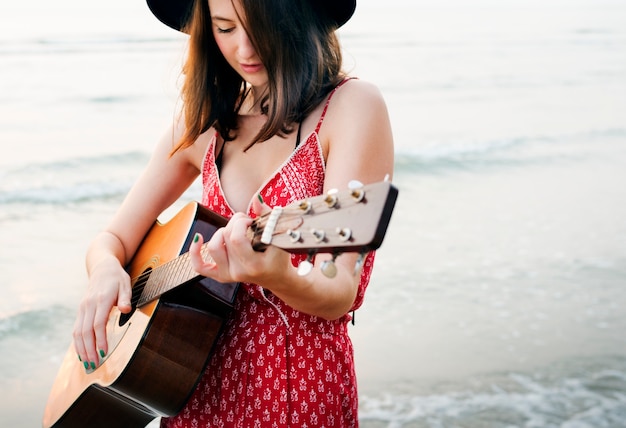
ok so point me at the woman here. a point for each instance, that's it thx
(268, 118)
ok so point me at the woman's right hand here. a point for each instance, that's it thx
(109, 285)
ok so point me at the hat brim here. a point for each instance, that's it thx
(337, 11)
(172, 13)
(175, 13)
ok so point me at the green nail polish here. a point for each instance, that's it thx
(261, 198)
(102, 354)
(79, 359)
(196, 237)
(86, 364)
(93, 365)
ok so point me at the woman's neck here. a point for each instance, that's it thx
(252, 102)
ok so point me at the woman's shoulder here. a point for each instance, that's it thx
(357, 115)
(179, 129)
(195, 152)
(355, 91)
(356, 99)
(357, 134)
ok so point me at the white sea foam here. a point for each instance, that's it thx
(579, 398)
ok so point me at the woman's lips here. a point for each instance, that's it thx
(251, 68)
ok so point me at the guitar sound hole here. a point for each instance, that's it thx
(137, 290)
(125, 317)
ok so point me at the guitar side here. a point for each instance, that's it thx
(156, 357)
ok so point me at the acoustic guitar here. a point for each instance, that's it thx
(158, 352)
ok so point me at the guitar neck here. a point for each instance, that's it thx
(351, 221)
(153, 283)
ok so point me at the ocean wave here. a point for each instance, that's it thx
(486, 155)
(589, 394)
(79, 180)
(448, 156)
(89, 162)
(35, 323)
(72, 180)
(77, 193)
(47, 46)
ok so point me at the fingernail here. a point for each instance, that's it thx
(102, 353)
(261, 199)
(93, 365)
(86, 364)
(79, 359)
(196, 238)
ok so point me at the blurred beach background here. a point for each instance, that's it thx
(499, 295)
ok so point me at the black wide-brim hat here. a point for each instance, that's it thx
(175, 13)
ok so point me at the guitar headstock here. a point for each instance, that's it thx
(354, 220)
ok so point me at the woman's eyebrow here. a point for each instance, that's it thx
(219, 18)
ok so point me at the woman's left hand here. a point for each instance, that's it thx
(224, 253)
(229, 256)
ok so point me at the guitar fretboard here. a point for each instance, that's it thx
(155, 282)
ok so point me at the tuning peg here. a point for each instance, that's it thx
(305, 206)
(294, 235)
(355, 185)
(329, 268)
(306, 266)
(356, 190)
(318, 234)
(359, 263)
(344, 233)
(331, 198)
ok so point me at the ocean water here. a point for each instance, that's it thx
(498, 296)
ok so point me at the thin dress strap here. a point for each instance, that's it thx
(319, 123)
(220, 152)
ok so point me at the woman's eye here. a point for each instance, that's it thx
(224, 30)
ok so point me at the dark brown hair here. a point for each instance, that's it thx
(299, 50)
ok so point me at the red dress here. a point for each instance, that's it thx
(275, 366)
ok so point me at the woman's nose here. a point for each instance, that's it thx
(245, 50)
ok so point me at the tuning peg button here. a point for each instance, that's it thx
(318, 234)
(329, 269)
(294, 235)
(331, 198)
(344, 233)
(306, 206)
(359, 263)
(355, 185)
(306, 266)
(356, 190)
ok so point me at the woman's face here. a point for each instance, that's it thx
(233, 42)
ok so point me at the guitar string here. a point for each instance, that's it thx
(173, 267)
(293, 211)
(172, 272)
(297, 211)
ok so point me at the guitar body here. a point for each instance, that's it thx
(158, 353)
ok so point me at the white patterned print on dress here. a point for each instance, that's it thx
(275, 366)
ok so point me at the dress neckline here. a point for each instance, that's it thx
(299, 146)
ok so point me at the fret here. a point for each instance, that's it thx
(166, 277)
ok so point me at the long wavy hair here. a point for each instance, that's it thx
(298, 48)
